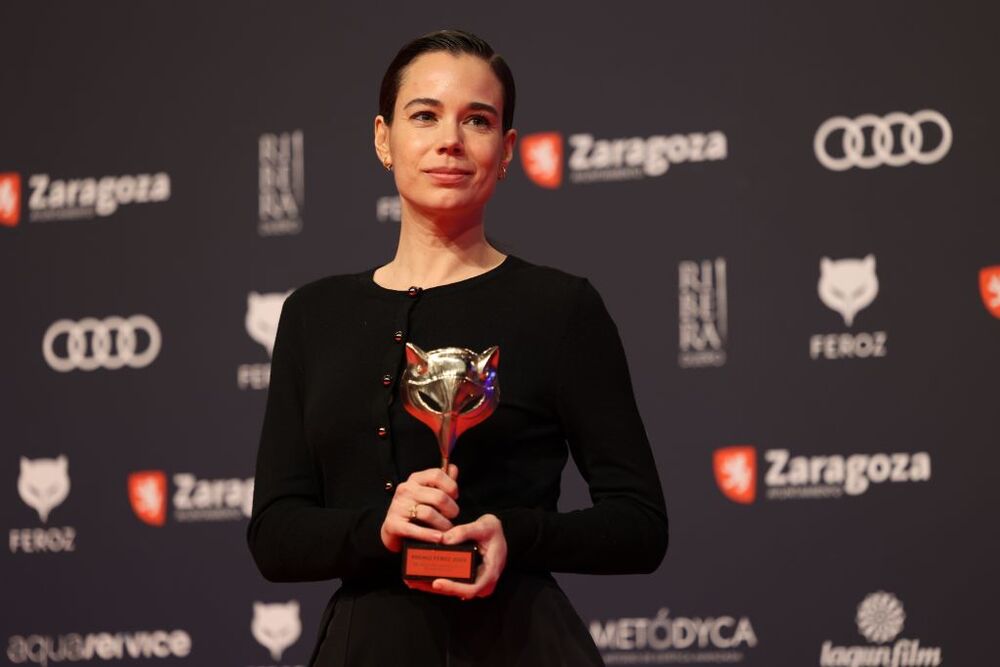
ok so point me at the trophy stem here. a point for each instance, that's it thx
(446, 438)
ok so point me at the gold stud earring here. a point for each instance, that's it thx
(387, 163)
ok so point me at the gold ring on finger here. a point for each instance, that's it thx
(413, 511)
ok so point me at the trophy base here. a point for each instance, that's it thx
(424, 561)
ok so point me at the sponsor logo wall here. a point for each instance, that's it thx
(894, 140)
(281, 179)
(43, 484)
(880, 619)
(590, 159)
(276, 626)
(110, 343)
(666, 639)
(54, 199)
(263, 312)
(193, 498)
(797, 477)
(10, 199)
(702, 313)
(848, 286)
(100, 646)
(824, 423)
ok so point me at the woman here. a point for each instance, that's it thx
(344, 473)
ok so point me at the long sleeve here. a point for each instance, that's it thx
(625, 531)
(291, 535)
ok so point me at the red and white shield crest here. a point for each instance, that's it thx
(147, 491)
(736, 472)
(542, 158)
(989, 289)
(10, 199)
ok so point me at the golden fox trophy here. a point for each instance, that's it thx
(450, 389)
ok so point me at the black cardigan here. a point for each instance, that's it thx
(325, 474)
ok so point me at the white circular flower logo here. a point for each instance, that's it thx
(880, 617)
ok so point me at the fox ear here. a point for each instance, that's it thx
(870, 261)
(488, 359)
(414, 355)
(825, 265)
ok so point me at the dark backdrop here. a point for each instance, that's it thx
(163, 161)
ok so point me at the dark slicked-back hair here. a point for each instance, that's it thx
(455, 42)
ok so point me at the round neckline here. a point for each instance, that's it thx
(367, 280)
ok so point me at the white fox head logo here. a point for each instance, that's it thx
(848, 285)
(276, 626)
(263, 312)
(43, 484)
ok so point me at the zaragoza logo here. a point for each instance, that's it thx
(147, 491)
(736, 472)
(595, 160)
(542, 157)
(10, 199)
(989, 288)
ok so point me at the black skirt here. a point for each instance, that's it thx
(527, 621)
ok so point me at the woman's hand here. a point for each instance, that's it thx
(427, 497)
(487, 533)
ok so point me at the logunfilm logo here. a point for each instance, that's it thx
(880, 618)
(989, 289)
(702, 308)
(662, 639)
(43, 485)
(10, 199)
(281, 182)
(74, 647)
(194, 499)
(847, 286)
(276, 626)
(625, 159)
(799, 477)
(261, 321)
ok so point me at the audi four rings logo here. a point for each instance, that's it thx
(883, 150)
(112, 343)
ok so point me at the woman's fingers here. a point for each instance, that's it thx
(409, 496)
(487, 532)
(403, 528)
(435, 477)
(422, 507)
(477, 531)
(425, 514)
(436, 498)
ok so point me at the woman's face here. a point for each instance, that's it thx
(446, 141)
